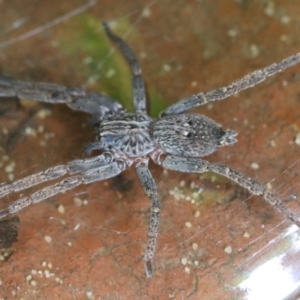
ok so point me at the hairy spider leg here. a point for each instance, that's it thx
(150, 189)
(75, 166)
(138, 83)
(87, 176)
(97, 105)
(145, 177)
(197, 165)
(244, 83)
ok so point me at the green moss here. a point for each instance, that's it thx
(156, 104)
(84, 39)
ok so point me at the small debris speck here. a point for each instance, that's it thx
(110, 73)
(10, 167)
(89, 295)
(213, 178)
(166, 67)
(5, 158)
(40, 129)
(273, 143)
(49, 135)
(255, 166)
(188, 224)
(196, 263)
(58, 280)
(211, 261)
(11, 176)
(232, 32)
(297, 139)
(228, 249)
(143, 55)
(184, 261)
(28, 278)
(192, 185)
(269, 186)
(76, 227)
(61, 209)
(177, 193)
(195, 246)
(48, 274)
(254, 50)
(33, 282)
(195, 194)
(43, 113)
(187, 270)
(246, 235)
(77, 201)
(146, 13)
(269, 8)
(284, 38)
(209, 106)
(30, 132)
(285, 19)
(197, 213)
(63, 222)
(88, 60)
(48, 239)
(44, 263)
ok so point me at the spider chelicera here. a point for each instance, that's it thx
(175, 140)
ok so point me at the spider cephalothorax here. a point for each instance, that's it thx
(176, 140)
(190, 135)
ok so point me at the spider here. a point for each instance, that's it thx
(175, 140)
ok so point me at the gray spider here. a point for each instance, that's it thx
(174, 141)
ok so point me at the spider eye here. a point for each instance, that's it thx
(187, 133)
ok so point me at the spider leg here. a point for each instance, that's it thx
(138, 84)
(197, 165)
(95, 174)
(75, 166)
(97, 105)
(150, 189)
(244, 83)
